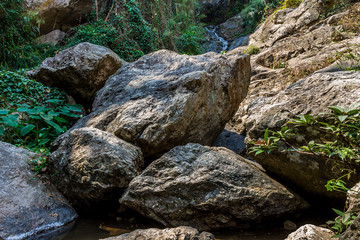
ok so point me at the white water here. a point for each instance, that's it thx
(212, 31)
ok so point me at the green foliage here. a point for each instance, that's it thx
(31, 114)
(342, 222)
(175, 24)
(38, 164)
(17, 47)
(125, 32)
(339, 141)
(350, 58)
(252, 50)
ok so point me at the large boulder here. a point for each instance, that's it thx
(63, 14)
(311, 232)
(178, 233)
(208, 188)
(311, 95)
(293, 44)
(165, 99)
(53, 37)
(231, 28)
(80, 70)
(96, 164)
(28, 206)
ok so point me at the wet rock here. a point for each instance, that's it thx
(28, 205)
(165, 99)
(96, 165)
(53, 37)
(80, 70)
(178, 233)
(311, 232)
(239, 42)
(311, 95)
(208, 188)
(63, 14)
(231, 140)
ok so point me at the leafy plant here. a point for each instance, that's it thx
(339, 141)
(342, 222)
(31, 114)
(38, 164)
(252, 50)
(17, 46)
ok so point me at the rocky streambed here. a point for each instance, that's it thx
(147, 144)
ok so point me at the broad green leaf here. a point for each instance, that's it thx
(2, 131)
(43, 141)
(54, 125)
(4, 112)
(46, 117)
(8, 121)
(338, 212)
(338, 110)
(266, 136)
(342, 118)
(23, 109)
(25, 130)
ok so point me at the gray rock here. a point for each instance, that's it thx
(311, 95)
(286, 22)
(165, 99)
(62, 14)
(28, 205)
(95, 164)
(53, 37)
(311, 232)
(239, 42)
(208, 188)
(80, 70)
(231, 28)
(179, 233)
(231, 140)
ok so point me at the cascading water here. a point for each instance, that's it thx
(218, 44)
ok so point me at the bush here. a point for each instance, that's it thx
(252, 50)
(17, 47)
(124, 31)
(339, 141)
(31, 114)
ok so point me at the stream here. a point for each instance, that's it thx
(87, 227)
(217, 43)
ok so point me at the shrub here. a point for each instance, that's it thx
(339, 141)
(252, 50)
(31, 114)
(17, 47)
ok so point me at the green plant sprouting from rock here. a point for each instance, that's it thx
(339, 141)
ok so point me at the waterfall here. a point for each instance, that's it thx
(211, 30)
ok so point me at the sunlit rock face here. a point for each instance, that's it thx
(165, 99)
(63, 14)
(208, 188)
